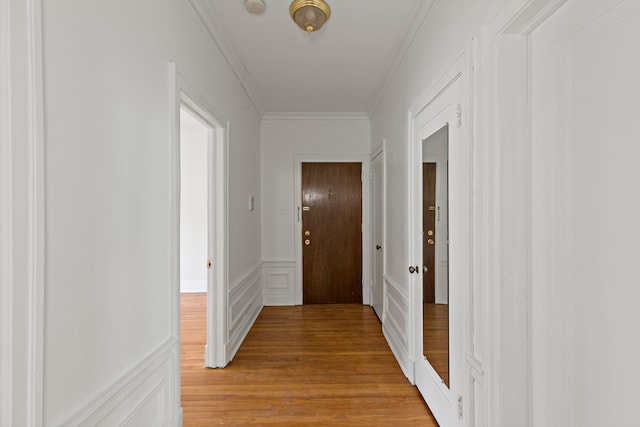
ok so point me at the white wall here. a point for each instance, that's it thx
(193, 209)
(585, 210)
(108, 301)
(282, 138)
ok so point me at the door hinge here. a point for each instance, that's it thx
(460, 407)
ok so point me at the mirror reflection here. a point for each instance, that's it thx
(435, 286)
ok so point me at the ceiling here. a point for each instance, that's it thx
(342, 68)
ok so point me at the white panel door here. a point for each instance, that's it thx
(585, 71)
(377, 290)
(439, 359)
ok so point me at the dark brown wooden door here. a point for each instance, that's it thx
(429, 231)
(331, 233)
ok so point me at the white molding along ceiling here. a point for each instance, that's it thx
(343, 68)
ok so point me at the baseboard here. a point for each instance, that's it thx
(193, 286)
(142, 396)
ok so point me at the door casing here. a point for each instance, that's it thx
(366, 217)
(378, 197)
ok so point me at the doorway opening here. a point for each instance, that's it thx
(202, 228)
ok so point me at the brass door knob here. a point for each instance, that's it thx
(430, 242)
(307, 242)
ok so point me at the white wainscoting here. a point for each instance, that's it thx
(396, 325)
(278, 282)
(142, 397)
(245, 303)
(193, 286)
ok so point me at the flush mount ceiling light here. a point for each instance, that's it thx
(310, 15)
(255, 7)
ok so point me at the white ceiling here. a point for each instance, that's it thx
(342, 68)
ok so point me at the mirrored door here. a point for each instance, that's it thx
(435, 252)
(440, 245)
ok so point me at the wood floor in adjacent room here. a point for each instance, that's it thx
(324, 365)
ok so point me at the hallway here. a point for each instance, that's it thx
(299, 365)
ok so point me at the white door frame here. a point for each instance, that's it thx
(184, 95)
(366, 217)
(22, 210)
(443, 105)
(503, 238)
(379, 153)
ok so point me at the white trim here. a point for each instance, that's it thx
(22, 217)
(507, 176)
(314, 116)
(396, 330)
(6, 259)
(366, 217)
(401, 51)
(207, 16)
(379, 152)
(281, 272)
(120, 403)
(6, 238)
(245, 294)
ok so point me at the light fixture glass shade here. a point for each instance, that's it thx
(310, 15)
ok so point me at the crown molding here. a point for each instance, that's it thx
(394, 64)
(315, 116)
(221, 40)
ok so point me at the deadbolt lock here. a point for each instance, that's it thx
(430, 233)
(307, 233)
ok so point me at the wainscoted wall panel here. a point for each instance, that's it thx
(245, 303)
(396, 325)
(141, 397)
(278, 282)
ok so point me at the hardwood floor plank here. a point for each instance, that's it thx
(315, 365)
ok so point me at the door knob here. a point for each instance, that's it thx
(378, 247)
(307, 242)
(412, 269)
(208, 264)
(430, 242)
(425, 269)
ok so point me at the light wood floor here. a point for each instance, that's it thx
(324, 365)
